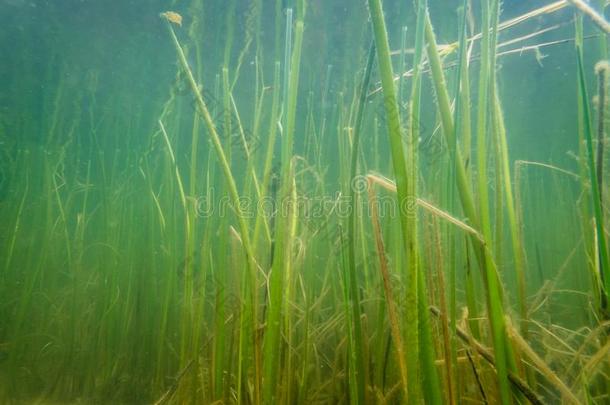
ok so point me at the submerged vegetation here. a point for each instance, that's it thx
(311, 208)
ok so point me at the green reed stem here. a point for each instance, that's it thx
(595, 192)
(485, 259)
(283, 257)
(233, 193)
(268, 157)
(16, 225)
(482, 155)
(431, 385)
(353, 296)
(251, 264)
(406, 190)
(504, 175)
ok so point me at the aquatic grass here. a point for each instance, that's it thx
(485, 354)
(10, 250)
(356, 360)
(389, 185)
(542, 367)
(587, 10)
(251, 180)
(484, 257)
(290, 295)
(503, 175)
(406, 191)
(510, 203)
(389, 295)
(602, 69)
(602, 263)
(282, 260)
(482, 140)
(231, 186)
(448, 49)
(463, 120)
(126, 317)
(218, 148)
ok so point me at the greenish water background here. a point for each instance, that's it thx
(108, 68)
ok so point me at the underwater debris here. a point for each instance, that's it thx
(172, 17)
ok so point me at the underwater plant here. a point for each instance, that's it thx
(378, 202)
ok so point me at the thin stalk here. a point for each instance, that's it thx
(352, 199)
(447, 345)
(251, 264)
(401, 81)
(268, 159)
(464, 110)
(16, 226)
(485, 259)
(405, 192)
(356, 391)
(517, 241)
(233, 193)
(288, 291)
(283, 257)
(504, 176)
(62, 213)
(250, 168)
(188, 247)
(482, 154)
(486, 354)
(595, 192)
(387, 287)
(544, 369)
(463, 127)
(587, 10)
(602, 69)
(431, 385)
(176, 171)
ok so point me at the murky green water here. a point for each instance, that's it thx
(198, 203)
